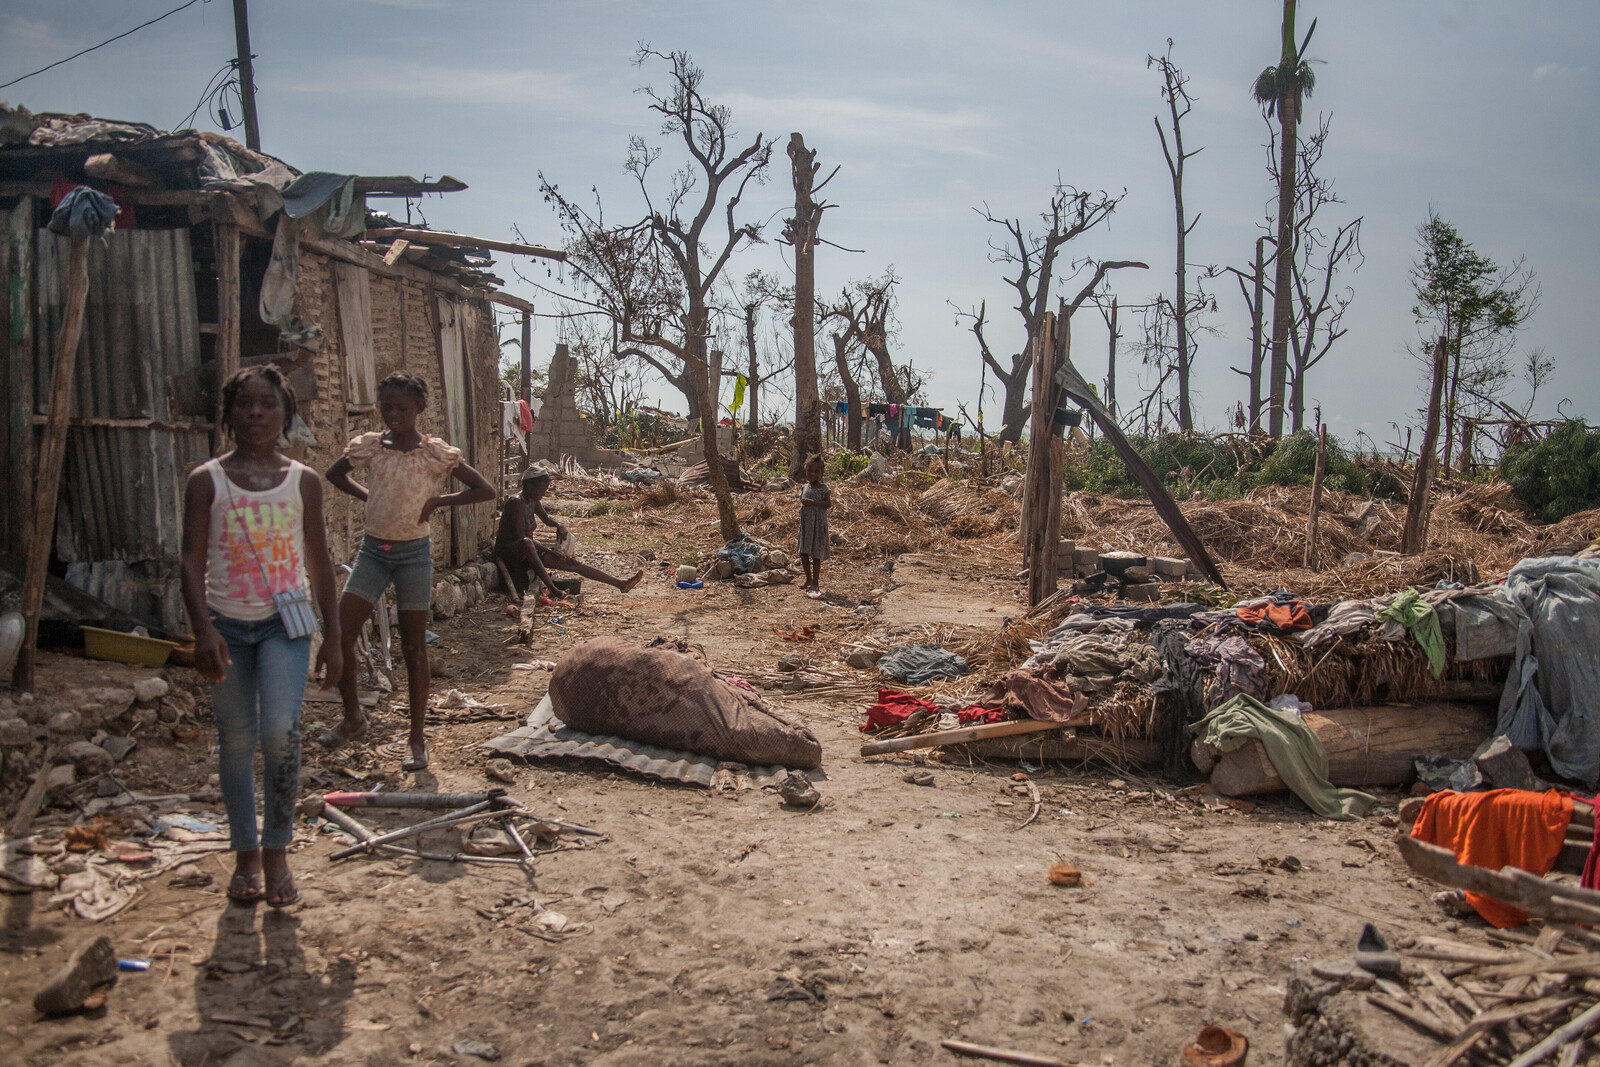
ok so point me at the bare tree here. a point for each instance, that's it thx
(1175, 91)
(1032, 254)
(1252, 286)
(668, 252)
(800, 232)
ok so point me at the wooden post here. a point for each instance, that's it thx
(1415, 532)
(526, 391)
(247, 76)
(52, 456)
(1040, 553)
(226, 242)
(21, 239)
(1316, 499)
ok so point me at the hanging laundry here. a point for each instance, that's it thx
(894, 410)
(842, 406)
(874, 410)
(525, 416)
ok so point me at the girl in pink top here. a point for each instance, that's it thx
(405, 470)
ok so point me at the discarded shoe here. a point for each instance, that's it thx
(1374, 955)
(92, 965)
(1217, 1046)
(797, 789)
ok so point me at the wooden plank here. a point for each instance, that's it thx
(1037, 546)
(20, 254)
(404, 185)
(226, 239)
(353, 293)
(955, 737)
(396, 250)
(1310, 560)
(1532, 894)
(461, 240)
(53, 454)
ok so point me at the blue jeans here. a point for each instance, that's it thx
(258, 703)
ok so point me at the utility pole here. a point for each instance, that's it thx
(247, 78)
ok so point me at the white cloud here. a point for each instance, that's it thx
(855, 119)
(1556, 70)
(485, 87)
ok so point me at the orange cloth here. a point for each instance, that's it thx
(1292, 615)
(1500, 828)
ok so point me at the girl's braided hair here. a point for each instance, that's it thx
(265, 372)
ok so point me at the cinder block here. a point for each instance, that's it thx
(1143, 593)
(1086, 557)
(1168, 567)
(1066, 547)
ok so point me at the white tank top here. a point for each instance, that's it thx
(257, 545)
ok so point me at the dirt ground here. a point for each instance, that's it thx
(725, 928)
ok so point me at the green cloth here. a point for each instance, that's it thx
(1417, 615)
(1296, 753)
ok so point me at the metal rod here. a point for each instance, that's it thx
(411, 831)
(414, 800)
(333, 814)
(527, 853)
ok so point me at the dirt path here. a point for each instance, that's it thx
(726, 929)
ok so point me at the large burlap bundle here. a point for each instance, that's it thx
(668, 696)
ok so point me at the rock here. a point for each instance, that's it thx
(1354, 557)
(60, 777)
(687, 573)
(1168, 567)
(66, 722)
(647, 554)
(792, 662)
(1383, 553)
(107, 786)
(92, 965)
(15, 733)
(500, 770)
(861, 657)
(778, 576)
(1506, 766)
(148, 690)
(835, 539)
(920, 778)
(481, 1049)
(778, 558)
(878, 471)
(1011, 485)
(87, 758)
(119, 747)
(1138, 574)
(1143, 593)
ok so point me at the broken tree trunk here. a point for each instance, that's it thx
(52, 456)
(1041, 514)
(1415, 533)
(1366, 746)
(1316, 500)
(1073, 384)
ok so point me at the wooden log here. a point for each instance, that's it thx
(1003, 1055)
(1316, 500)
(1069, 746)
(52, 455)
(16, 345)
(1532, 894)
(954, 737)
(1366, 746)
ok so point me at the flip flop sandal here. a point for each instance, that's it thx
(251, 893)
(412, 764)
(282, 901)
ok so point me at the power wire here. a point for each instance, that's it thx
(210, 92)
(102, 44)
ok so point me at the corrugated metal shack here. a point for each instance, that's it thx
(176, 304)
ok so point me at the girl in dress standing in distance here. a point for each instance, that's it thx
(815, 499)
(405, 469)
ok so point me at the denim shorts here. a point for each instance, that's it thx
(408, 564)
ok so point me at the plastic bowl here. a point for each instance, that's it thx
(126, 648)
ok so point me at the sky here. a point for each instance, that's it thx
(932, 109)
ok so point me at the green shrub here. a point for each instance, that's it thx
(843, 465)
(1557, 476)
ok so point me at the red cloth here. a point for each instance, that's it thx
(1591, 865)
(524, 416)
(892, 707)
(1500, 828)
(981, 713)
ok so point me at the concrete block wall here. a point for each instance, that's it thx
(561, 430)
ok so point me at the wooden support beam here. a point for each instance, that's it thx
(959, 736)
(1316, 500)
(459, 240)
(226, 239)
(21, 250)
(396, 250)
(52, 456)
(1042, 487)
(403, 185)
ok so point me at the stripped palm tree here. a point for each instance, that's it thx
(1279, 90)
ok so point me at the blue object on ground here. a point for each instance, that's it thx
(692, 585)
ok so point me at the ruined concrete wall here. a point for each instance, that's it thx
(560, 430)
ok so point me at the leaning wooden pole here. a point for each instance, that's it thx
(1073, 384)
(52, 456)
(1316, 499)
(1415, 532)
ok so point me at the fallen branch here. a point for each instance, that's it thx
(1004, 1055)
